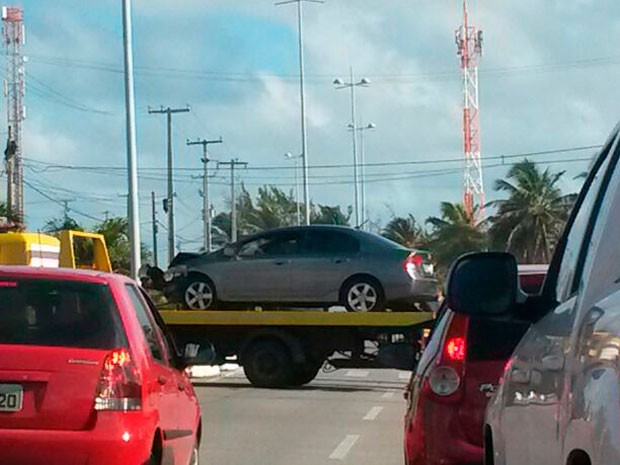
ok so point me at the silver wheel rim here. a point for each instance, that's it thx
(199, 295)
(362, 297)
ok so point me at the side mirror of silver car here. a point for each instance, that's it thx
(229, 251)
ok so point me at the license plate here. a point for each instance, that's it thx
(11, 396)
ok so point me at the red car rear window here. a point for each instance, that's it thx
(58, 313)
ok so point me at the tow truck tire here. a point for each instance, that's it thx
(304, 373)
(268, 364)
(198, 293)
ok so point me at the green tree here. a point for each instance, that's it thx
(454, 233)
(55, 225)
(528, 223)
(325, 214)
(116, 234)
(274, 208)
(406, 231)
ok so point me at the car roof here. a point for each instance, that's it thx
(69, 274)
(312, 227)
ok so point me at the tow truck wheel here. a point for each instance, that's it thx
(304, 373)
(268, 364)
(199, 293)
(362, 294)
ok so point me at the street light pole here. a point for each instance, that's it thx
(352, 85)
(361, 130)
(289, 156)
(302, 98)
(132, 156)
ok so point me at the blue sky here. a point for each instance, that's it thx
(548, 81)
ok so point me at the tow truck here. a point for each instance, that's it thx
(276, 348)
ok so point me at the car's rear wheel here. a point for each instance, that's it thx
(363, 294)
(268, 364)
(199, 293)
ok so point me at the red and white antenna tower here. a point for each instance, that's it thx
(13, 36)
(469, 49)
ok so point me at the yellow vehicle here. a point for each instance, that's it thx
(72, 249)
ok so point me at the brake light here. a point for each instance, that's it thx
(413, 264)
(119, 387)
(445, 378)
(455, 348)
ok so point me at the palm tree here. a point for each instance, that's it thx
(454, 233)
(406, 231)
(528, 223)
(331, 215)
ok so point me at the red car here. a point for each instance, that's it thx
(88, 374)
(457, 373)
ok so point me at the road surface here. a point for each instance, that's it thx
(344, 417)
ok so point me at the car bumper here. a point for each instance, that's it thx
(117, 438)
(435, 437)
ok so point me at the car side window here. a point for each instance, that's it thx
(568, 275)
(276, 245)
(152, 334)
(330, 243)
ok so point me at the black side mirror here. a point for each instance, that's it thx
(482, 284)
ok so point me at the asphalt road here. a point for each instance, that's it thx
(344, 417)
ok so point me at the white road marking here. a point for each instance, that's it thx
(344, 447)
(404, 375)
(357, 373)
(372, 413)
(387, 395)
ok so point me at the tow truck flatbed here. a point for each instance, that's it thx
(289, 347)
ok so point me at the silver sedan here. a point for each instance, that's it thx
(310, 266)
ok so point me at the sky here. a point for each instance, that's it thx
(548, 81)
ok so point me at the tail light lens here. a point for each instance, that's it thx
(445, 378)
(415, 265)
(119, 387)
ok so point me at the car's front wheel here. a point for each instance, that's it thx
(363, 294)
(199, 293)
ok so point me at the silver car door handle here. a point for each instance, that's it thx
(281, 262)
(340, 260)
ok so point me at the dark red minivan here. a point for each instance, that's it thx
(457, 373)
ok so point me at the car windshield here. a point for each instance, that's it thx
(300, 176)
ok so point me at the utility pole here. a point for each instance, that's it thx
(169, 199)
(206, 206)
(154, 223)
(233, 214)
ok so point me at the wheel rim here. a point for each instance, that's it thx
(199, 295)
(362, 297)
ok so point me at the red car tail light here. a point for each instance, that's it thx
(456, 348)
(119, 387)
(413, 265)
(445, 378)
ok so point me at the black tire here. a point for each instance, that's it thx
(304, 373)
(198, 293)
(268, 364)
(366, 288)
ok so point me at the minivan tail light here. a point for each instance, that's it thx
(119, 387)
(456, 348)
(445, 378)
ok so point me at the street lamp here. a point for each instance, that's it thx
(302, 98)
(352, 84)
(361, 130)
(295, 158)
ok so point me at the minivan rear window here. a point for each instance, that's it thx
(489, 339)
(58, 313)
